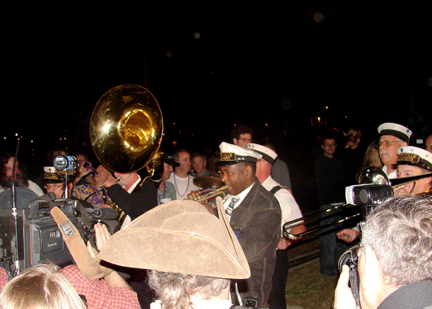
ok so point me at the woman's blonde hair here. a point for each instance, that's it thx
(42, 287)
(370, 158)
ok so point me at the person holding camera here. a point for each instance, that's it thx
(412, 161)
(394, 258)
(55, 183)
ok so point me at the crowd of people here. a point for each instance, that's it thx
(171, 252)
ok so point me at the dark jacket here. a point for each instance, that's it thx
(257, 221)
(331, 180)
(414, 295)
(136, 204)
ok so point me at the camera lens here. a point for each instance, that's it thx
(60, 163)
(349, 258)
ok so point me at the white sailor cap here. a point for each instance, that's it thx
(410, 155)
(395, 129)
(232, 154)
(267, 154)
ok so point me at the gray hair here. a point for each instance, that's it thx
(175, 290)
(400, 233)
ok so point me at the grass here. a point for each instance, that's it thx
(308, 289)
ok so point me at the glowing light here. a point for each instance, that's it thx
(318, 17)
(106, 127)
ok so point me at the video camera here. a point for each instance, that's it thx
(38, 236)
(368, 196)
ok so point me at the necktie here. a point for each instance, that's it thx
(231, 207)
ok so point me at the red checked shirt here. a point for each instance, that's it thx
(3, 278)
(98, 293)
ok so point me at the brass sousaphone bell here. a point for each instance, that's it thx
(126, 128)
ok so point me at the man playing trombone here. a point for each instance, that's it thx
(412, 161)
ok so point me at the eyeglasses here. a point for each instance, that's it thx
(246, 140)
(329, 145)
(54, 187)
(386, 143)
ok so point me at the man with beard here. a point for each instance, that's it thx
(21, 175)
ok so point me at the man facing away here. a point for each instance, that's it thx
(190, 254)
(395, 264)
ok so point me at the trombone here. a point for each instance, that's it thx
(371, 175)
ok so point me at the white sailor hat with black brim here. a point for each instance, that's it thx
(395, 129)
(267, 154)
(231, 154)
(410, 155)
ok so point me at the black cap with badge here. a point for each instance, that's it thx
(169, 159)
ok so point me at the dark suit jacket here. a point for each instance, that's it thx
(135, 205)
(256, 222)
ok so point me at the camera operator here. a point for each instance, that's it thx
(411, 161)
(395, 264)
(55, 183)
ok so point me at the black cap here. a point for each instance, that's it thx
(169, 159)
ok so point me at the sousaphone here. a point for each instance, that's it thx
(126, 129)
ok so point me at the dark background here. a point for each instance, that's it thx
(273, 67)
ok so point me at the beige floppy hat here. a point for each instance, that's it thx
(179, 237)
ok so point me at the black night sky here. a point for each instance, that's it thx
(279, 65)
